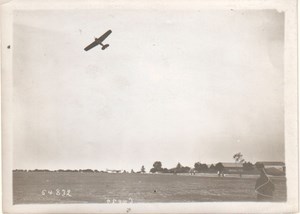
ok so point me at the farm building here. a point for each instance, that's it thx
(231, 168)
(274, 168)
(113, 171)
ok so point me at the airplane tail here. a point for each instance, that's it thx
(105, 46)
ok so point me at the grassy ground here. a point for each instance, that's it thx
(103, 187)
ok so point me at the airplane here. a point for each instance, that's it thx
(98, 41)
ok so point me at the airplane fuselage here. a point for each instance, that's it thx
(99, 41)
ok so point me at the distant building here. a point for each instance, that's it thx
(232, 168)
(273, 167)
(113, 171)
(272, 163)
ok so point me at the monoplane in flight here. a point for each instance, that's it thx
(98, 41)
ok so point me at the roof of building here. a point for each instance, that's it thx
(272, 163)
(232, 165)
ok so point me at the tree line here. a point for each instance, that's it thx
(59, 170)
(198, 167)
(157, 167)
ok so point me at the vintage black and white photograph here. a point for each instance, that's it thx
(148, 105)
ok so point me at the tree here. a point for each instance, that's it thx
(157, 167)
(180, 169)
(238, 157)
(200, 167)
(185, 169)
(152, 170)
(197, 165)
(179, 166)
(219, 166)
(247, 166)
(143, 169)
(165, 170)
(204, 167)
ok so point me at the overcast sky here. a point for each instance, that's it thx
(174, 86)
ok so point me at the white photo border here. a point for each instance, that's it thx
(289, 7)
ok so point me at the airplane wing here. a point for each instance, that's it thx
(90, 46)
(104, 36)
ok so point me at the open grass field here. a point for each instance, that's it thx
(76, 187)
